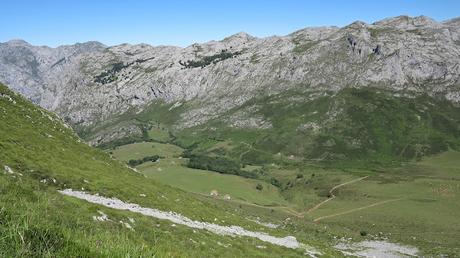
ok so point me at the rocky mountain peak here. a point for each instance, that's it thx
(17, 42)
(453, 22)
(406, 22)
(238, 38)
(89, 45)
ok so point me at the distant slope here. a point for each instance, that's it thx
(361, 126)
(39, 155)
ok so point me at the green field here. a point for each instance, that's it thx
(171, 170)
(203, 182)
(143, 149)
(422, 208)
(415, 203)
(159, 133)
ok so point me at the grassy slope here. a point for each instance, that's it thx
(364, 128)
(362, 132)
(424, 217)
(171, 170)
(143, 149)
(37, 221)
(154, 122)
(355, 128)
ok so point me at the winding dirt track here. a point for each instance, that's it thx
(290, 210)
(302, 214)
(356, 209)
(331, 193)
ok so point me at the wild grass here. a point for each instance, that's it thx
(37, 221)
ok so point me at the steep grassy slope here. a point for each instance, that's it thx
(38, 156)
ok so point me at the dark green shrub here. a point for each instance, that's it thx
(275, 182)
(137, 162)
(207, 60)
(218, 164)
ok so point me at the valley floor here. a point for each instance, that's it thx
(415, 204)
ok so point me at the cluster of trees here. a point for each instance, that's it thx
(218, 164)
(136, 162)
(144, 60)
(207, 60)
(111, 74)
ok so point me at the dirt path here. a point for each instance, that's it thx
(290, 210)
(331, 193)
(244, 153)
(356, 209)
(288, 241)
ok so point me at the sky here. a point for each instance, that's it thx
(181, 23)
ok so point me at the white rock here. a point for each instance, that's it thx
(8, 170)
(175, 218)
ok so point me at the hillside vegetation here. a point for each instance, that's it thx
(353, 127)
(394, 156)
(39, 156)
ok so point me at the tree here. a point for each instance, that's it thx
(136, 162)
(259, 187)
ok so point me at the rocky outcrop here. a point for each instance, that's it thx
(89, 83)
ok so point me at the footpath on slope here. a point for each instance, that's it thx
(331, 193)
(290, 210)
(356, 209)
(114, 203)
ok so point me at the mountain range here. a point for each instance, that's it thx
(96, 88)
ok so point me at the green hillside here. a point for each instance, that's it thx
(399, 153)
(38, 156)
(365, 127)
(357, 127)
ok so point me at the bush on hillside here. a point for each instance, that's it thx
(137, 162)
(218, 164)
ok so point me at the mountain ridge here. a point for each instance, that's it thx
(91, 84)
(448, 21)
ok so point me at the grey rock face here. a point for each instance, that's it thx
(37, 72)
(89, 83)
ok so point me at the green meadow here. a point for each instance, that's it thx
(171, 170)
(414, 203)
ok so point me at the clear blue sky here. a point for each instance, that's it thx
(182, 23)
